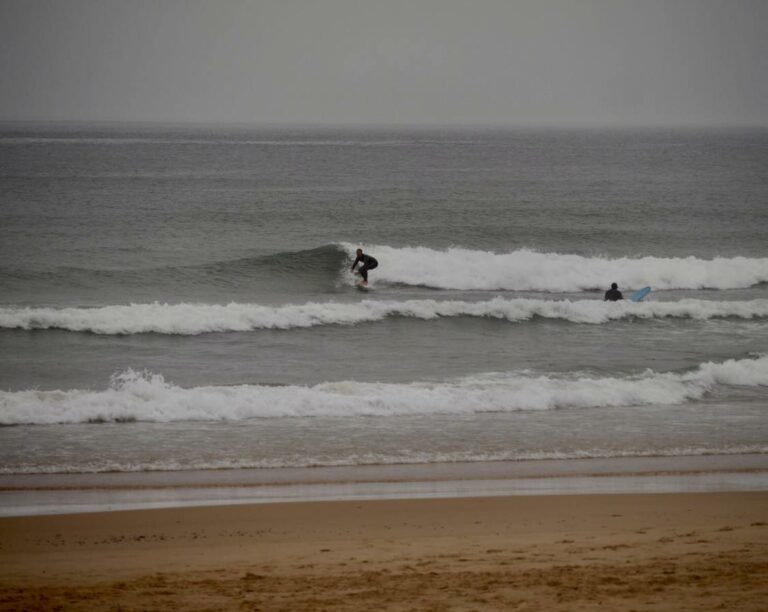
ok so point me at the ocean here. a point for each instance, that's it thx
(179, 298)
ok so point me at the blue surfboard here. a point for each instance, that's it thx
(639, 295)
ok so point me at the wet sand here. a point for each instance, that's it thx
(683, 551)
(28, 494)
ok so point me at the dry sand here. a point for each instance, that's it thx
(705, 551)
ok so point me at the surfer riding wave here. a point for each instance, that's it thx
(369, 263)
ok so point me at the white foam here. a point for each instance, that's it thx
(404, 457)
(527, 270)
(190, 319)
(149, 397)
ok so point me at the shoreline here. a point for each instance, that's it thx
(37, 494)
(639, 551)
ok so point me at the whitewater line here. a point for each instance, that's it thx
(145, 396)
(192, 319)
(404, 457)
(528, 270)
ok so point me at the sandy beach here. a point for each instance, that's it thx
(551, 393)
(686, 551)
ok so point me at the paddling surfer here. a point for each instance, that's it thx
(613, 294)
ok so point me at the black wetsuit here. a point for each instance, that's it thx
(369, 263)
(613, 295)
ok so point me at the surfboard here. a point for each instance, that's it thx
(362, 287)
(639, 295)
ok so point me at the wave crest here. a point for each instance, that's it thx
(191, 319)
(145, 396)
(453, 268)
(527, 270)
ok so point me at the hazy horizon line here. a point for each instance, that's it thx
(384, 125)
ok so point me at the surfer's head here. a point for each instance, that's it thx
(359, 252)
(614, 286)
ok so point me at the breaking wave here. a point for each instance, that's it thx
(327, 266)
(134, 396)
(527, 270)
(191, 319)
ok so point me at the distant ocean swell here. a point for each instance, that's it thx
(149, 397)
(454, 268)
(191, 319)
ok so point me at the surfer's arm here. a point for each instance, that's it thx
(359, 259)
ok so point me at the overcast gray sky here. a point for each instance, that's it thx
(528, 62)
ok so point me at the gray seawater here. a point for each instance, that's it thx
(179, 297)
